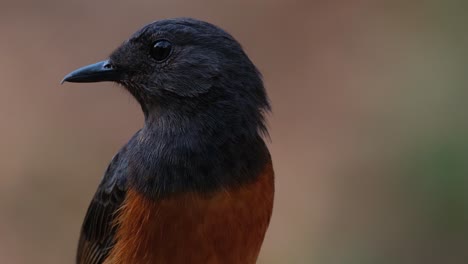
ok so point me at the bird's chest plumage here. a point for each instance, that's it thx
(225, 226)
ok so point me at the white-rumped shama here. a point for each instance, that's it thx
(195, 184)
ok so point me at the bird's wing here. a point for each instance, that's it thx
(98, 230)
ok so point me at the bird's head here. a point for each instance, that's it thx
(183, 66)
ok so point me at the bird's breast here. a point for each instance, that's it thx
(226, 226)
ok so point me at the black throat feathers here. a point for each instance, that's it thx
(196, 146)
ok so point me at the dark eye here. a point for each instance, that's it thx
(161, 50)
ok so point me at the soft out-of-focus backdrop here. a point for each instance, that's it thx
(369, 128)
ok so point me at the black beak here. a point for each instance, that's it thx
(97, 72)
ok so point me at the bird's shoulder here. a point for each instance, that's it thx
(98, 230)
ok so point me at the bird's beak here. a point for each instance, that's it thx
(98, 72)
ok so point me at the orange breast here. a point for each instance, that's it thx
(225, 227)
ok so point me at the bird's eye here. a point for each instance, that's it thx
(161, 50)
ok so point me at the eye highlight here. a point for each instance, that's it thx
(161, 50)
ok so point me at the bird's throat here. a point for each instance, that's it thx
(173, 155)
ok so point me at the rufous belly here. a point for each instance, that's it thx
(226, 227)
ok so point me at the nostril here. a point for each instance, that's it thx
(108, 65)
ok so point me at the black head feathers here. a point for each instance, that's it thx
(203, 99)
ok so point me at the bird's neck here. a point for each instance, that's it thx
(200, 151)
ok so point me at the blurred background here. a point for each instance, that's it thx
(369, 126)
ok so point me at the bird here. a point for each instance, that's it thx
(196, 183)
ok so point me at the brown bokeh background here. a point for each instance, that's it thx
(369, 126)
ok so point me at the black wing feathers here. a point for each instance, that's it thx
(98, 230)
